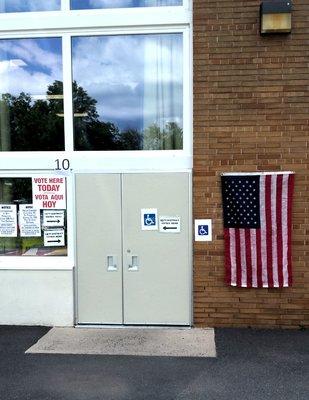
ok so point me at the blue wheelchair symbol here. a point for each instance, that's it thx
(149, 219)
(203, 230)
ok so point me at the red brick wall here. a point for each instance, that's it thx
(251, 113)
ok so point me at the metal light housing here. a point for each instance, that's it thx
(276, 17)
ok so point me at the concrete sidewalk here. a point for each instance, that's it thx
(156, 342)
(250, 365)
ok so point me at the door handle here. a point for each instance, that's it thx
(133, 264)
(111, 263)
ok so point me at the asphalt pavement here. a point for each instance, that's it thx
(250, 364)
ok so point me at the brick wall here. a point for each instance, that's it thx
(251, 113)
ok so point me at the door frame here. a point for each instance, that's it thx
(190, 244)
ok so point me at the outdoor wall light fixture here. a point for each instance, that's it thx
(276, 16)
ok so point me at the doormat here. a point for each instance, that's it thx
(169, 342)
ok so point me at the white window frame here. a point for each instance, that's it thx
(45, 262)
(65, 24)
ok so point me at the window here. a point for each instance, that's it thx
(127, 92)
(7, 6)
(31, 95)
(108, 89)
(33, 216)
(88, 4)
(83, 91)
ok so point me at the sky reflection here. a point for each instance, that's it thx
(92, 4)
(29, 5)
(136, 79)
(29, 65)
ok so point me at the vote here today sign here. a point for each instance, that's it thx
(49, 192)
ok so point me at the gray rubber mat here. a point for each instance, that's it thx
(128, 341)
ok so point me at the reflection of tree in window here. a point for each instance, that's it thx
(28, 125)
(93, 134)
(134, 84)
(169, 137)
(13, 190)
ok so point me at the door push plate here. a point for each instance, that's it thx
(111, 263)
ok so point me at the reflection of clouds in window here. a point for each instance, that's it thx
(29, 5)
(137, 79)
(110, 3)
(86, 4)
(29, 65)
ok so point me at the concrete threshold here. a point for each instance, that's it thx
(171, 342)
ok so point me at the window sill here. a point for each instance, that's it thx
(35, 263)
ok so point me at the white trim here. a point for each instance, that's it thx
(67, 92)
(166, 160)
(190, 246)
(34, 264)
(65, 5)
(83, 19)
(130, 171)
(187, 94)
(256, 173)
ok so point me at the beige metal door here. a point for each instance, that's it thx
(156, 267)
(99, 250)
(128, 275)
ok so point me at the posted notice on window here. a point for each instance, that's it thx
(54, 237)
(53, 218)
(8, 220)
(29, 221)
(49, 192)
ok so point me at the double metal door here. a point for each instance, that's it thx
(127, 275)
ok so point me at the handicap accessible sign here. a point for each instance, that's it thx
(203, 230)
(149, 219)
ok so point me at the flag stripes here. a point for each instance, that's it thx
(262, 257)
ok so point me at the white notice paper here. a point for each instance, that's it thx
(53, 217)
(29, 221)
(54, 237)
(169, 224)
(49, 192)
(8, 220)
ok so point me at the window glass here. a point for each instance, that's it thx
(127, 92)
(31, 95)
(29, 5)
(87, 4)
(31, 224)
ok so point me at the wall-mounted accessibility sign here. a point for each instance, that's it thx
(53, 217)
(169, 224)
(203, 230)
(54, 237)
(149, 219)
(49, 192)
(8, 220)
(29, 221)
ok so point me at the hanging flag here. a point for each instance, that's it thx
(257, 228)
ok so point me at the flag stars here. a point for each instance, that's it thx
(241, 202)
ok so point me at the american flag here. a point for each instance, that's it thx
(257, 228)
